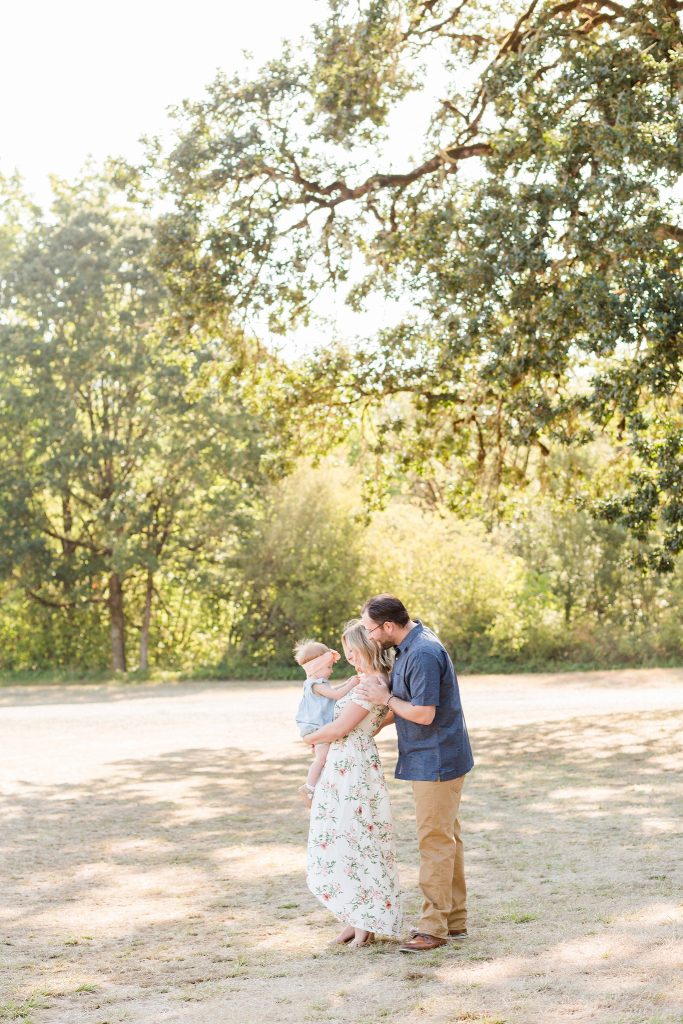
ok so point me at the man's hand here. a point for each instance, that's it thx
(378, 693)
(373, 690)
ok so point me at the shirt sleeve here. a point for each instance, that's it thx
(318, 682)
(423, 677)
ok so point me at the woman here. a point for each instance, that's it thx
(351, 857)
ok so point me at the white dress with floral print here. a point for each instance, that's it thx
(351, 856)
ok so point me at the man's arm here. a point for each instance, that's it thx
(421, 714)
(334, 692)
(378, 693)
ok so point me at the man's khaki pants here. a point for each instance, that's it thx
(442, 861)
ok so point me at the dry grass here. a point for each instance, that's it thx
(153, 855)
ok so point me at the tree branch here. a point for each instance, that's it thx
(56, 535)
(329, 196)
(46, 602)
(669, 231)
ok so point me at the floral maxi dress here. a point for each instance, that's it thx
(351, 855)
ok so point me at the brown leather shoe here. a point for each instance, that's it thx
(421, 943)
(455, 934)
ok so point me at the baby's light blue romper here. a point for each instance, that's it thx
(314, 710)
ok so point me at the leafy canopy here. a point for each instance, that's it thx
(536, 238)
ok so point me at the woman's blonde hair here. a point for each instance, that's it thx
(355, 637)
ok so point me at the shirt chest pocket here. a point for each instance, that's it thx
(399, 688)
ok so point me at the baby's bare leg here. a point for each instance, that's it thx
(319, 757)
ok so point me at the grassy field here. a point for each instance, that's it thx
(153, 856)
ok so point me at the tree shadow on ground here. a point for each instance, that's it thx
(176, 884)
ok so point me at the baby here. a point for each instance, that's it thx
(317, 703)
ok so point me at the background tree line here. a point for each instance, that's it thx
(513, 443)
(551, 588)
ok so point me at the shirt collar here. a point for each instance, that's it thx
(411, 637)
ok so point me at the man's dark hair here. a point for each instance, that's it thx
(385, 608)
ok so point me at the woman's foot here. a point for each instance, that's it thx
(361, 938)
(345, 936)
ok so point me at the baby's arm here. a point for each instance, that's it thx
(334, 692)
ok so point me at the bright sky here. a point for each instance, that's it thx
(84, 78)
(89, 77)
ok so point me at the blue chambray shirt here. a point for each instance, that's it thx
(423, 674)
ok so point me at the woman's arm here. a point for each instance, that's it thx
(350, 717)
(334, 692)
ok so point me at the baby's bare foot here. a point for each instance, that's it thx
(306, 794)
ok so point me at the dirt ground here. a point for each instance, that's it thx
(153, 855)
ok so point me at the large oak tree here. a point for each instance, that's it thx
(537, 234)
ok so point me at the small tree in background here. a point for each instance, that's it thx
(303, 568)
(121, 449)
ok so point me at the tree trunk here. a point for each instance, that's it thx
(117, 623)
(146, 619)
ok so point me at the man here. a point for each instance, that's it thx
(434, 753)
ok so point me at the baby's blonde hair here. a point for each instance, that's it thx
(307, 650)
(356, 637)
